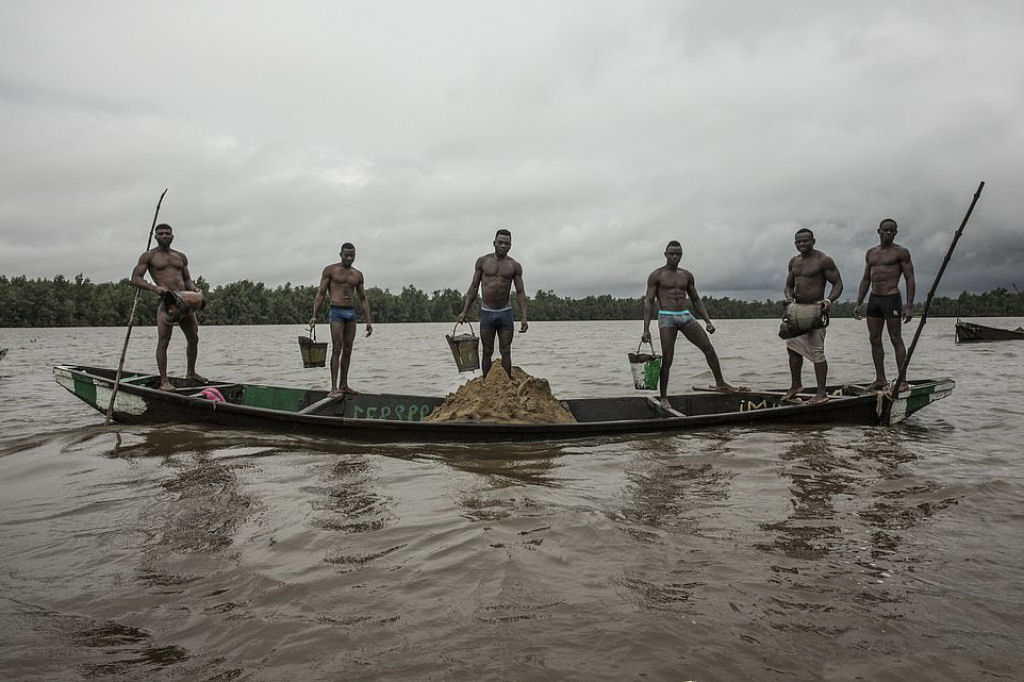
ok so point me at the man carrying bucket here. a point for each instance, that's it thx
(494, 274)
(169, 271)
(675, 291)
(806, 305)
(343, 283)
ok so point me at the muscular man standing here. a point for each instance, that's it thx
(809, 270)
(494, 274)
(342, 284)
(169, 271)
(676, 292)
(884, 264)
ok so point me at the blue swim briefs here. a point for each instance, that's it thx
(675, 318)
(496, 319)
(342, 314)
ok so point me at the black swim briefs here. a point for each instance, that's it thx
(884, 306)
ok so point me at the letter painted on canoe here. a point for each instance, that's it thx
(397, 411)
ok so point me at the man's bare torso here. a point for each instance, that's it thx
(809, 276)
(672, 288)
(167, 268)
(886, 266)
(344, 283)
(496, 276)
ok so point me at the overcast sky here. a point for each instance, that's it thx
(595, 131)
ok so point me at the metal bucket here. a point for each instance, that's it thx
(646, 368)
(313, 354)
(465, 349)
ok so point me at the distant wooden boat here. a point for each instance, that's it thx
(390, 418)
(969, 332)
(3, 353)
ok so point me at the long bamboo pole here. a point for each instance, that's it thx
(931, 292)
(131, 317)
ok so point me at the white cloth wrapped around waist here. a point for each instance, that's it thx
(810, 344)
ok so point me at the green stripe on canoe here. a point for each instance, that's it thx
(275, 398)
(86, 390)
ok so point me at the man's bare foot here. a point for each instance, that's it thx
(903, 387)
(335, 393)
(791, 393)
(196, 377)
(665, 404)
(349, 390)
(878, 385)
(818, 399)
(166, 386)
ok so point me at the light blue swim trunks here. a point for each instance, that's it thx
(675, 318)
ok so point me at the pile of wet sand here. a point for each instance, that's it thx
(497, 397)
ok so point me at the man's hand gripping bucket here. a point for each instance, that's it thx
(313, 354)
(465, 349)
(646, 368)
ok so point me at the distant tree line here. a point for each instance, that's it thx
(60, 302)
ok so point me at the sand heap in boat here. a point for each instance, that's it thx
(497, 397)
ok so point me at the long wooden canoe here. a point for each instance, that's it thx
(969, 332)
(392, 417)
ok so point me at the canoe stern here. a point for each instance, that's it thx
(907, 403)
(96, 392)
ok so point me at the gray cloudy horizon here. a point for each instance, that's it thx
(595, 131)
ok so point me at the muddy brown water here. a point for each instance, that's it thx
(186, 553)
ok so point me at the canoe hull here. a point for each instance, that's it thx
(392, 417)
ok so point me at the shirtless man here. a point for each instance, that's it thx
(809, 270)
(676, 293)
(884, 264)
(494, 274)
(169, 271)
(344, 284)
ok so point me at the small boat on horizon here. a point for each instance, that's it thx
(969, 332)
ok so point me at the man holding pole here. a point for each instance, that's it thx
(168, 269)
(884, 265)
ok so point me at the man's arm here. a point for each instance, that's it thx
(649, 296)
(361, 292)
(698, 306)
(833, 277)
(908, 275)
(787, 292)
(474, 286)
(139, 275)
(517, 280)
(186, 276)
(318, 300)
(862, 290)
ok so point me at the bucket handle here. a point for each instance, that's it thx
(649, 343)
(466, 322)
(312, 333)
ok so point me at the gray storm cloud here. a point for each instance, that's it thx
(596, 132)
